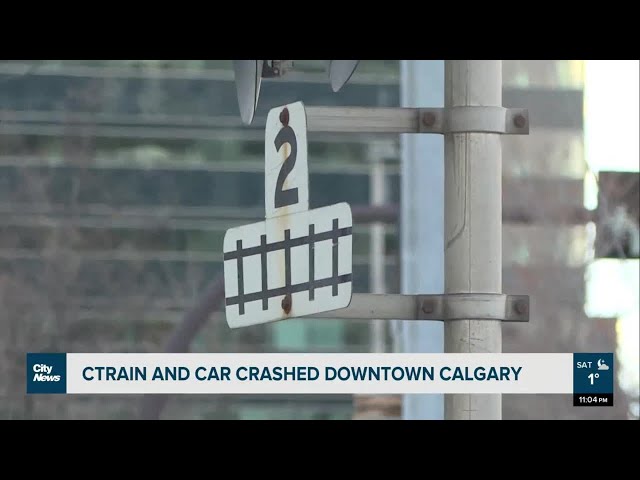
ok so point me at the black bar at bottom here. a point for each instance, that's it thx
(593, 399)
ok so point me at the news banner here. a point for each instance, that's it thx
(588, 376)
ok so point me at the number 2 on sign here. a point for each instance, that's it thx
(286, 168)
(284, 198)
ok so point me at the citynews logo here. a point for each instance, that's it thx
(46, 373)
(43, 373)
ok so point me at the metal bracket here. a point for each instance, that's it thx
(444, 307)
(511, 121)
(502, 120)
(276, 68)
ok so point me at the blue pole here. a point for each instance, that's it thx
(422, 224)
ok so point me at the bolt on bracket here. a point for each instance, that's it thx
(443, 307)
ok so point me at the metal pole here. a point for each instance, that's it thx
(422, 225)
(377, 250)
(473, 223)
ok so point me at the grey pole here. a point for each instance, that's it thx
(473, 223)
(422, 224)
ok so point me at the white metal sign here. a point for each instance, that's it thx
(298, 261)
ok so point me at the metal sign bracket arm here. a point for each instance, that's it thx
(473, 119)
(444, 307)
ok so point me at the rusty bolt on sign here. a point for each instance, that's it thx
(519, 121)
(286, 304)
(521, 307)
(429, 119)
(284, 117)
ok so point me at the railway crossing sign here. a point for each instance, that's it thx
(296, 262)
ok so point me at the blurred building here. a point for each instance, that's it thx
(119, 178)
(546, 240)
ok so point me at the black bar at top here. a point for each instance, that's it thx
(263, 267)
(292, 242)
(240, 280)
(277, 292)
